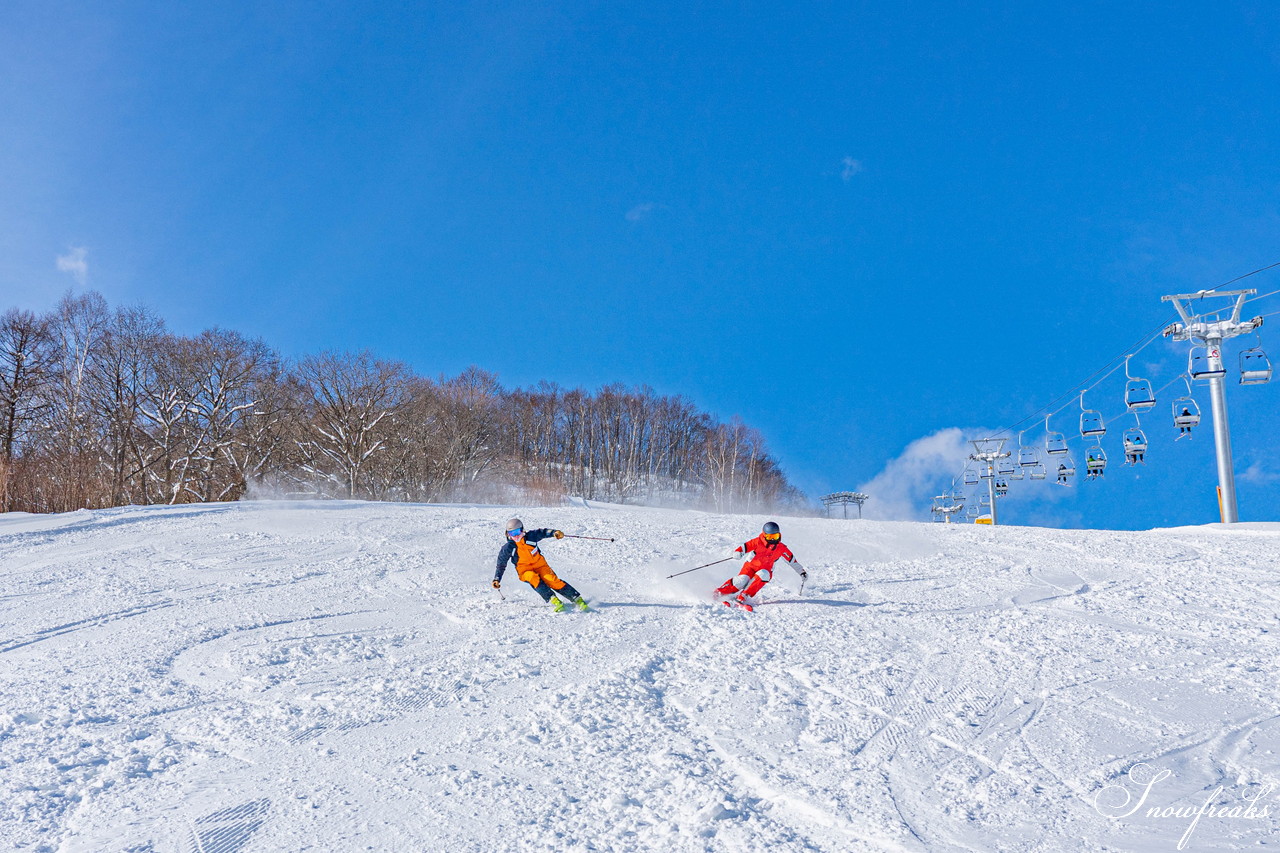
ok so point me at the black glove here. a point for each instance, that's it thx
(497, 585)
(804, 575)
(559, 534)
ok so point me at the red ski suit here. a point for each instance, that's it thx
(757, 571)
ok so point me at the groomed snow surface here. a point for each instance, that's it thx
(340, 676)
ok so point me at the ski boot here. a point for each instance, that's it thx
(556, 604)
(740, 600)
(582, 604)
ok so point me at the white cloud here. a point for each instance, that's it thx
(74, 262)
(904, 489)
(640, 211)
(850, 167)
(1258, 475)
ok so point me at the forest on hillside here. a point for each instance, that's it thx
(103, 406)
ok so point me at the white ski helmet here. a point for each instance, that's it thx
(514, 524)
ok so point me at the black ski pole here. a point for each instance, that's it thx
(596, 538)
(695, 568)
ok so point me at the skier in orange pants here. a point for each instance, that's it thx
(765, 550)
(522, 549)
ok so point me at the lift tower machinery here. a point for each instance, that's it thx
(1207, 330)
(988, 451)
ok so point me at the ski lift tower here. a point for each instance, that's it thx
(988, 451)
(945, 506)
(844, 499)
(1210, 330)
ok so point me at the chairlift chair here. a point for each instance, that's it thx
(1138, 396)
(1199, 366)
(1091, 422)
(1095, 462)
(1066, 470)
(1016, 474)
(1037, 471)
(987, 473)
(1054, 442)
(1135, 446)
(970, 477)
(1002, 488)
(1255, 367)
(1006, 467)
(1028, 456)
(1186, 414)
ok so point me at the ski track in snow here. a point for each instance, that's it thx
(339, 676)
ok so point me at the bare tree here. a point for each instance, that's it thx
(26, 357)
(352, 398)
(71, 448)
(225, 369)
(467, 426)
(117, 382)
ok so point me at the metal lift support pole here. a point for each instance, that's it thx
(991, 492)
(1222, 437)
(1211, 333)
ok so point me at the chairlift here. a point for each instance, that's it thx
(1006, 467)
(1095, 462)
(1135, 446)
(1037, 471)
(1200, 366)
(970, 476)
(1066, 470)
(984, 501)
(1016, 474)
(987, 472)
(972, 511)
(1091, 423)
(1186, 414)
(1027, 456)
(1054, 442)
(1138, 396)
(1002, 488)
(1255, 367)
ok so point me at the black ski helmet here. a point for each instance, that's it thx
(771, 528)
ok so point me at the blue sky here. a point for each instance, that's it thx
(855, 225)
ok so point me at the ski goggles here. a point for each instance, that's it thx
(516, 533)
(771, 537)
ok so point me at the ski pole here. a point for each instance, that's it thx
(695, 568)
(596, 538)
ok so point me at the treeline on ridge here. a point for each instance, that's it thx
(103, 407)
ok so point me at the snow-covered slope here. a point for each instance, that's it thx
(265, 676)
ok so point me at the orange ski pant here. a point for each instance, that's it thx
(543, 573)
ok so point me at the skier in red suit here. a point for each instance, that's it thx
(763, 551)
